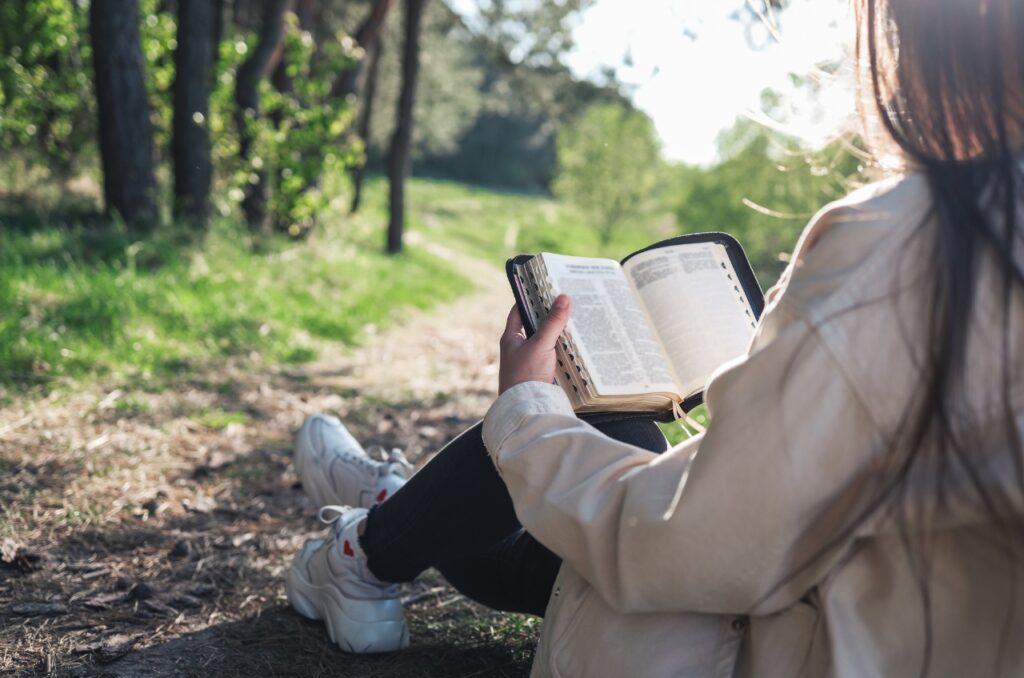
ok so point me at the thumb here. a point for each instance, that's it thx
(549, 331)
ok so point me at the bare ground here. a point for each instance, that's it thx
(147, 532)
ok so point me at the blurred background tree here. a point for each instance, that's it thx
(47, 105)
(608, 164)
(399, 158)
(319, 93)
(483, 92)
(125, 131)
(193, 60)
(765, 189)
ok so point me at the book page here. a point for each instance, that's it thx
(609, 327)
(699, 311)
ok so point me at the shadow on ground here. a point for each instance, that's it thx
(277, 642)
(152, 537)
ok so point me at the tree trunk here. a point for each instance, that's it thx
(399, 156)
(365, 117)
(366, 36)
(216, 36)
(190, 141)
(125, 134)
(239, 13)
(260, 64)
(305, 11)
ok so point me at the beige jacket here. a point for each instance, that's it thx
(720, 557)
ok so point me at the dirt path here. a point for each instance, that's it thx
(147, 533)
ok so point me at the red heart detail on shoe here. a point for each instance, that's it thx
(346, 548)
(382, 495)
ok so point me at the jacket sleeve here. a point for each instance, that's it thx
(741, 519)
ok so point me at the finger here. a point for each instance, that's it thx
(549, 331)
(513, 325)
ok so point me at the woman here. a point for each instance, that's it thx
(855, 507)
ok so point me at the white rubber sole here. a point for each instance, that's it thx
(357, 626)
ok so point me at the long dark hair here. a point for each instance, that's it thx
(943, 84)
(941, 87)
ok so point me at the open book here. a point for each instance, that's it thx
(645, 334)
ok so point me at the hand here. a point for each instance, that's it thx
(531, 359)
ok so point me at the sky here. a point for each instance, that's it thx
(692, 69)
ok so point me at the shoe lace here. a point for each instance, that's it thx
(329, 515)
(338, 511)
(357, 459)
(392, 462)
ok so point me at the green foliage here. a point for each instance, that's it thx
(488, 104)
(158, 31)
(230, 173)
(764, 191)
(47, 102)
(47, 109)
(608, 165)
(480, 97)
(534, 34)
(48, 116)
(303, 131)
(448, 96)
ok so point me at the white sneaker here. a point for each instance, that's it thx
(335, 469)
(329, 580)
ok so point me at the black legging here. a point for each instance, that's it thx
(455, 514)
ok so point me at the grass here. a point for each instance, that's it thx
(130, 407)
(495, 225)
(217, 418)
(678, 431)
(80, 301)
